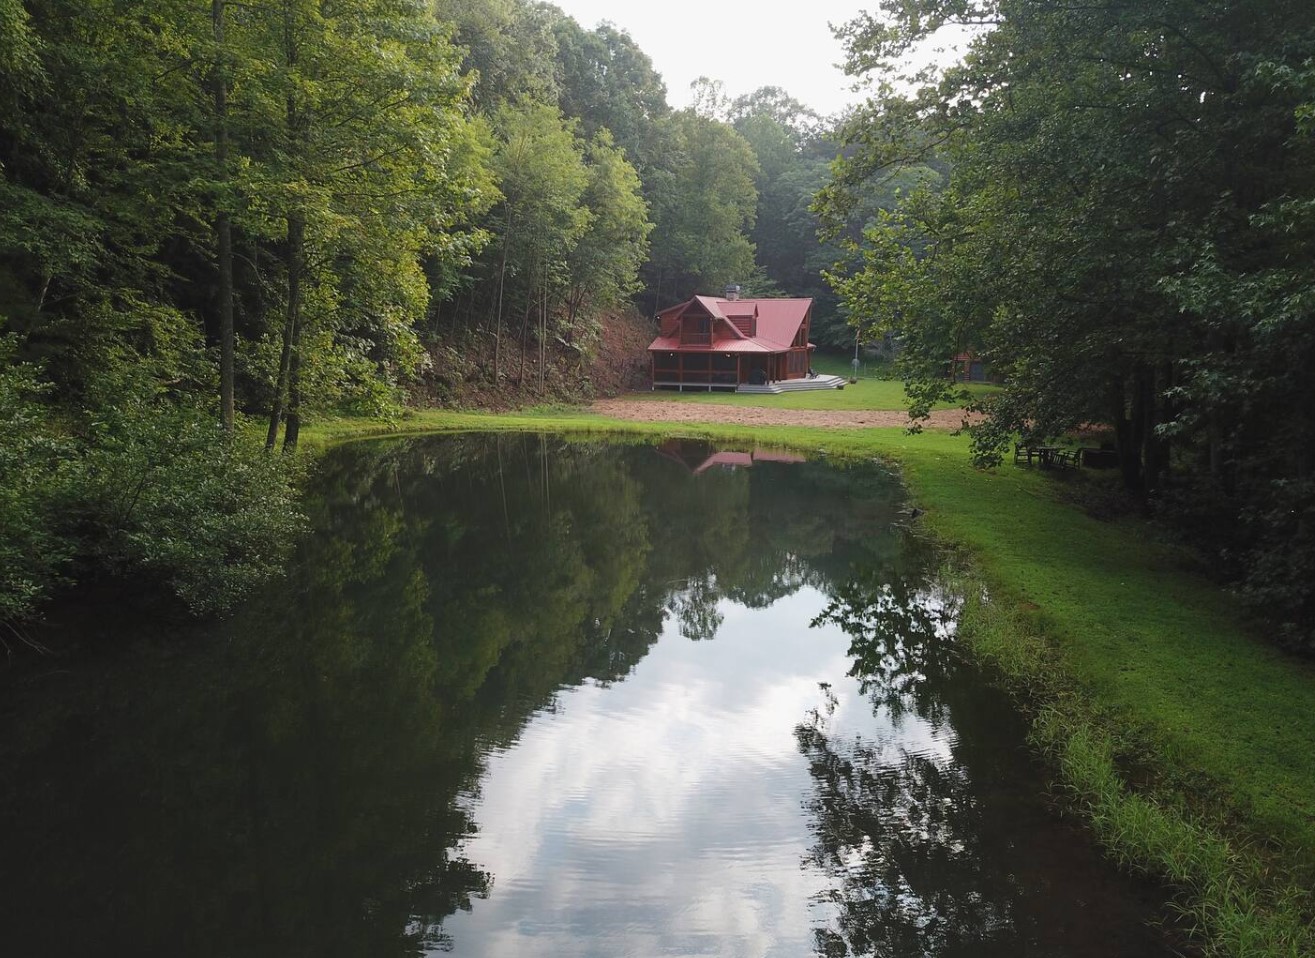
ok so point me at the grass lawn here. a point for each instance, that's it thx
(1139, 668)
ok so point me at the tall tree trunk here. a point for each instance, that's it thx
(543, 337)
(291, 334)
(1156, 455)
(574, 299)
(297, 120)
(293, 429)
(223, 223)
(502, 282)
(525, 337)
(296, 270)
(1127, 437)
(280, 388)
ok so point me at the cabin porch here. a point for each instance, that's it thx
(705, 371)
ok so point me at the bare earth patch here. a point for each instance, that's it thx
(650, 411)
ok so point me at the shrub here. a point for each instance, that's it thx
(163, 490)
(32, 551)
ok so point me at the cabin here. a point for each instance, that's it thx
(698, 456)
(727, 342)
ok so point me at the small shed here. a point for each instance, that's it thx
(969, 368)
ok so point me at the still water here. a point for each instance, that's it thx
(527, 697)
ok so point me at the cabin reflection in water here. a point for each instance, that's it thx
(699, 456)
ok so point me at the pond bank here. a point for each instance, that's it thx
(1187, 741)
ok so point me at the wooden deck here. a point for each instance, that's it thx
(780, 386)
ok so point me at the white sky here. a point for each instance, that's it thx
(744, 44)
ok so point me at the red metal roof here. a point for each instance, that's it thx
(778, 321)
(744, 345)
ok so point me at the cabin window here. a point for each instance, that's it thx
(696, 330)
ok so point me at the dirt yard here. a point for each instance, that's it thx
(653, 411)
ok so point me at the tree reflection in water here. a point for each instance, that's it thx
(943, 851)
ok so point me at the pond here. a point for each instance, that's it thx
(524, 696)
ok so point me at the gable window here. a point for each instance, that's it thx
(696, 330)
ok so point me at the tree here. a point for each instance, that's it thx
(542, 176)
(223, 219)
(96, 163)
(371, 163)
(708, 99)
(793, 152)
(509, 46)
(609, 83)
(704, 209)
(33, 549)
(605, 263)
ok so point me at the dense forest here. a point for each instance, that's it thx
(220, 221)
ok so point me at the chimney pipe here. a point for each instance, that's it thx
(732, 292)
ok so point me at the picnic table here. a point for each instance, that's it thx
(1047, 455)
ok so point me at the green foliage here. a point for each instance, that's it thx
(94, 179)
(605, 264)
(360, 161)
(508, 45)
(608, 82)
(19, 64)
(704, 211)
(32, 552)
(161, 491)
(568, 236)
(542, 176)
(1124, 234)
(145, 486)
